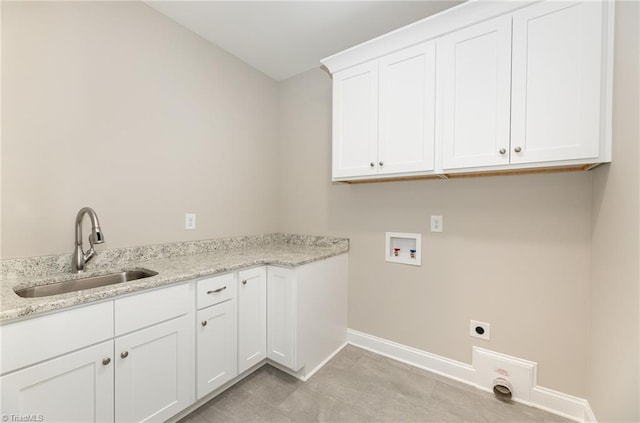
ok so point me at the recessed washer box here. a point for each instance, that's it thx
(403, 248)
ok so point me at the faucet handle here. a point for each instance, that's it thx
(89, 254)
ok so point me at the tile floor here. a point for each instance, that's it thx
(359, 386)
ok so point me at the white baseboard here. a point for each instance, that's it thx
(555, 402)
(452, 369)
(308, 375)
(562, 404)
(303, 375)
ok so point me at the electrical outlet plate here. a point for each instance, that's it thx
(480, 330)
(190, 221)
(436, 223)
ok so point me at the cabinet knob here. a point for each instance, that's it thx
(372, 164)
(124, 354)
(106, 361)
(517, 149)
(502, 151)
(217, 290)
(244, 282)
(381, 163)
(203, 323)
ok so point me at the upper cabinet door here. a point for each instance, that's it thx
(407, 110)
(474, 72)
(557, 70)
(355, 121)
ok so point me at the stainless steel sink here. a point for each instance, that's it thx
(84, 283)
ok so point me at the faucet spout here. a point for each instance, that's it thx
(80, 258)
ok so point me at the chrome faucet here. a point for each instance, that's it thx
(80, 258)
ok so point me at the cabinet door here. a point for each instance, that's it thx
(76, 387)
(282, 309)
(474, 72)
(407, 110)
(155, 371)
(355, 121)
(252, 317)
(557, 69)
(217, 346)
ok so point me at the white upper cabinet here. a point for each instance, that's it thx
(384, 114)
(355, 121)
(474, 68)
(557, 77)
(485, 86)
(407, 110)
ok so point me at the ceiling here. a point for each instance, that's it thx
(285, 38)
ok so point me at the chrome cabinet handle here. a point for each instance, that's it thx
(244, 282)
(124, 354)
(372, 164)
(217, 290)
(381, 163)
(106, 361)
(517, 149)
(502, 151)
(203, 323)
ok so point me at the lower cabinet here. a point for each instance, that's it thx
(145, 373)
(149, 356)
(216, 347)
(307, 313)
(252, 317)
(282, 317)
(77, 387)
(154, 371)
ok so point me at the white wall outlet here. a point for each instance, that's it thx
(436, 223)
(190, 221)
(480, 330)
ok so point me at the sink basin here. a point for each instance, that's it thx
(84, 283)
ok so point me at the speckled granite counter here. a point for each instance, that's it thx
(174, 263)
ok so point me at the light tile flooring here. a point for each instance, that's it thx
(359, 386)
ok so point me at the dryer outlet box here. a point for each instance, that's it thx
(490, 365)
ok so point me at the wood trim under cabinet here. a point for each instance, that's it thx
(561, 169)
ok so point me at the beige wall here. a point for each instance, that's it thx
(112, 105)
(614, 367)
(514, 251)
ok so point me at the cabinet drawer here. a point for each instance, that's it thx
(216, 289)
(34, 340)
(149, 308)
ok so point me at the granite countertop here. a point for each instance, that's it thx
(174, 263)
